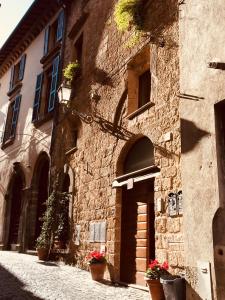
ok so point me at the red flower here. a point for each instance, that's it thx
(165, 265)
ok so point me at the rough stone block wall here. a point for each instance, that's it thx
(102, 143)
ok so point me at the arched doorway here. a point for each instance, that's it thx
(138, 217)
(42, 192)
(39, 195)
(14, 199)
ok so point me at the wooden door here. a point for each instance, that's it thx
(16, 202)
(137, 232)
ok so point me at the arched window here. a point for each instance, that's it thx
(140, 156)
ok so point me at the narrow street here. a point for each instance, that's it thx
(25, 277)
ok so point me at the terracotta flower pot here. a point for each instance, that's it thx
(42, 253)
(155, 289)
(97, 271)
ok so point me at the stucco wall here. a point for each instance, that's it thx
(201, 41)
(29, 141)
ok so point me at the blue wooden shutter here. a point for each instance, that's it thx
(60, 26)
(46, 40)
(15, 114)
(54, 81)
(22, 66)
(37, 97)
(11, 78)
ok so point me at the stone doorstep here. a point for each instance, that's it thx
(31, 252)
(134, 286)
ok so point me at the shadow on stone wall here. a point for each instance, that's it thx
(12, 288)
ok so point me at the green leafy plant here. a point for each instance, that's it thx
(71, 70)
(127, 15)
(44, 239)
(61, 230)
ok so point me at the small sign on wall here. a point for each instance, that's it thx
(175, 204)
(77, 235)
(97, 232)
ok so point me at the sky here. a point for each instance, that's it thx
(11, 12)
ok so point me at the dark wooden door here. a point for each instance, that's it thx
(16, 202)
(137, 232)
(42, 196)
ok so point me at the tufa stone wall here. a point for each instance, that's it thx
(103, 143)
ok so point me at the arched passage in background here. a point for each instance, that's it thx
(137, 216)
(40, 187)
(14, 202)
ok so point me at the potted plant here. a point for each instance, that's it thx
(62, 222)
(71, 71)
(152, 277)
(65, 89)
(97, 264)
(43, 245)
(44, 240)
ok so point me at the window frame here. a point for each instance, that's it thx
(11, 120)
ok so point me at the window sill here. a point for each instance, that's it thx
(49, 56)
(140, 110)
(43, 119)
(17, 87)
(8, 142)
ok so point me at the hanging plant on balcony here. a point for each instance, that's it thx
(127, 15)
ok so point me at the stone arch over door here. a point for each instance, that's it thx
(135, 187)
(14, 209)
(39, 195)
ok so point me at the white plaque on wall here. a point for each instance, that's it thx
(103, 232)
(77, 235)
(92, 232)
(97, 232)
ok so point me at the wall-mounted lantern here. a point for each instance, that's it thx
(64, 93)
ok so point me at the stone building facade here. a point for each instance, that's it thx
(125, 160)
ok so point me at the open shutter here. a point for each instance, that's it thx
(60, 26)
(16, 108)
(11, 78)
(46, 40)
(52, 96)
(37, 97)
(22, 66)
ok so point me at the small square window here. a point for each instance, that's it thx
(139, 82)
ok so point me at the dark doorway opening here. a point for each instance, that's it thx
(42, 193)
(16, 209)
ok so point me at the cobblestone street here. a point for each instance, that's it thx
(24, 277)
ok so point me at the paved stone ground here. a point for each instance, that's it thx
(23, 277)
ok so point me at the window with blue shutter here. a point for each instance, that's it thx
(11, 78)
(54, 81)
(37, 97)
(46, 40)
(60, 26)
(22, 67)
(15, 114)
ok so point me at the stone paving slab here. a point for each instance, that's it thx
(24, 277)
